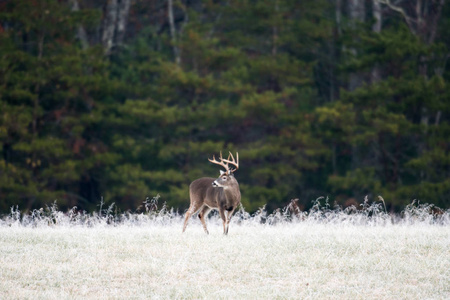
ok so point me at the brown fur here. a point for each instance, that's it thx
(204, 197)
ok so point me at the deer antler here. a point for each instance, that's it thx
(233, 161)
(220, 163)
(224, 162)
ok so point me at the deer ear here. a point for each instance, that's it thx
(222, 172)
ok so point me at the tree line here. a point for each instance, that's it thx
(122, 100)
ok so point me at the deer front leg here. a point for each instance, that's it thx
(202, 215)
(224, 219)
(228, 215)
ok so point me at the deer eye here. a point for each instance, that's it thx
(224, 177)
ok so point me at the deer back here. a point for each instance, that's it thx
(202, 191)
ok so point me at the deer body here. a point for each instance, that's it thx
(220, 193)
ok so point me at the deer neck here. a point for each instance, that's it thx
(232, 192)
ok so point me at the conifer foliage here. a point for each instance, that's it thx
(125, 99)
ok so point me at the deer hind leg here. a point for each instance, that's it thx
(202, 215)
(228, 215)
(193, 208)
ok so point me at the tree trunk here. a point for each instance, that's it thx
(375, 75)
(173, 31)
(377, 15)
(357, 12)
(275, 30)
(338, 13)
(124, 8)
(114, 23)
(334, 53)
(434, 22)
(81, 33)
(109, 25)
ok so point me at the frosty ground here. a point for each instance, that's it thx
(306, 259)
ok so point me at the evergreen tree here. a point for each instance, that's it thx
(124, 100)
(50, 92)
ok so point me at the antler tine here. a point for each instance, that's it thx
(221, 162)
(230, 154)
(233, 161)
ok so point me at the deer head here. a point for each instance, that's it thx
(227, 175)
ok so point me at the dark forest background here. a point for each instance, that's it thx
(125, 99)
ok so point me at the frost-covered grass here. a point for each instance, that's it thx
(324, 253)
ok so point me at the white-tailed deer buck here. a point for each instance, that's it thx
(220, 193)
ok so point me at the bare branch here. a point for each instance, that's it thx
(409, 21)
(173, 31)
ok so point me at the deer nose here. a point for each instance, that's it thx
(214, 184)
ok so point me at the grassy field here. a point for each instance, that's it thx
(151, 259)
